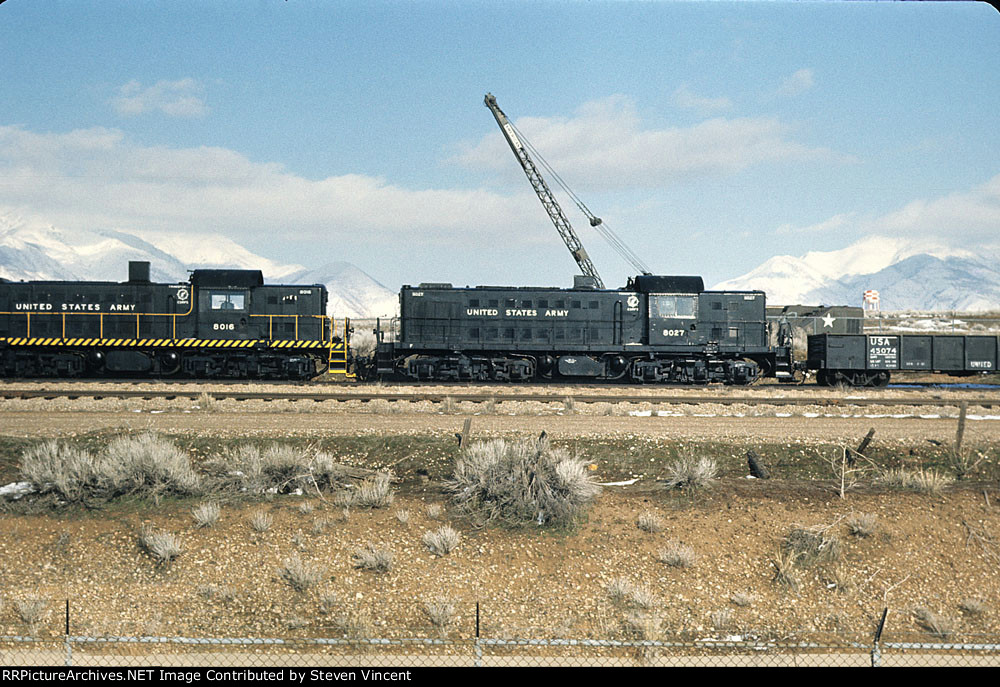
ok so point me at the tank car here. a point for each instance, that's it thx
(657, 329)
(222, 323)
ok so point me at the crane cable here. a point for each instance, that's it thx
(606, 232)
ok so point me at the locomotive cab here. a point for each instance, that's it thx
(224, 298)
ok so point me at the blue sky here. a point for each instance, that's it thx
(709, 135)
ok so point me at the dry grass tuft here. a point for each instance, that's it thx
(260, 521)
(618, 589)
(644, 625)
(812, 545)
(785, 572)
(862, 524)
(641, 596)
(32, 610)
(162, 546)
(373, 558)
(972, 607)
(676, 555)
(934, 624)
(301, 576)
(441, 541)
(924, 481)
(211, 592)
(650, 522)
(441, 614)
(355, 625)
(721, 619)
(374, 492)
(205, 514)
(328, 601)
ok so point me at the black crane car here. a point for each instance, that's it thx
(656, 329)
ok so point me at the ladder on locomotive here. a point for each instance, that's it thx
(338, 360)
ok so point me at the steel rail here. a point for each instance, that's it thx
(480, 397)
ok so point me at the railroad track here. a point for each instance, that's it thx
(482, 397)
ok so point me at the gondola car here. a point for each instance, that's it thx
(870, 360)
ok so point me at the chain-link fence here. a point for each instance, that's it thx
(443, 633)
(80, 651)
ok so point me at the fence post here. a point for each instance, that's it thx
(69, 646)
(876, 642)
(479, 647)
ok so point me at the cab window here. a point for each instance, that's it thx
(672, 306)
(228, 300)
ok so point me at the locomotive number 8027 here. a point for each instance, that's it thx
(656, 329)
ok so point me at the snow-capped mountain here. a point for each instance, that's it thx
(32, 250)
(356, 294)
(908, 274)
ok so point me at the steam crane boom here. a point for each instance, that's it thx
(544, 194)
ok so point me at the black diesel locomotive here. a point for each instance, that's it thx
(220, 324)
(656, 329)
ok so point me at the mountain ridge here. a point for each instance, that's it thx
(908, 274)
(35, 251)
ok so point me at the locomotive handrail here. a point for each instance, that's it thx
(173, 316)
(29, 313)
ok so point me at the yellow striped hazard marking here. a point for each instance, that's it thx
(171, 343)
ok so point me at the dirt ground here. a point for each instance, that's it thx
(931, 551)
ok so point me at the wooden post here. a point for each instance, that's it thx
(757, 469)
(463, 438)
(960, 433)
(862, 447)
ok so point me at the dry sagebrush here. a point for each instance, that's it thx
(144, 465)
(520, 482)
(301, 575)
(690, 471)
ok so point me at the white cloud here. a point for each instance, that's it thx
(835, 223)
(683, 97)
(180, 98)
(96, 178)
(799, 82)
(606, 146)
(963, 218)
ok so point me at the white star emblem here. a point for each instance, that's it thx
(828, 321)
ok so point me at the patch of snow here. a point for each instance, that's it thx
(16, 490)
